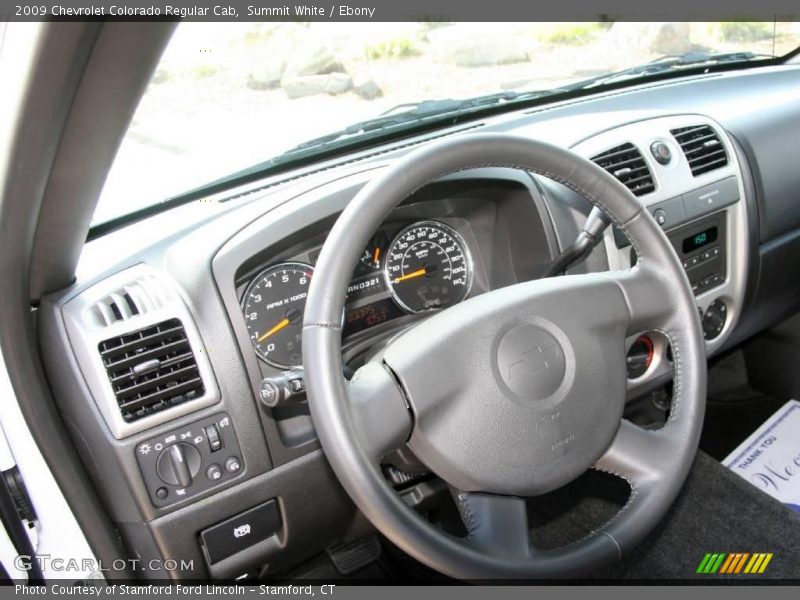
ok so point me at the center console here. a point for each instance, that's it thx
(684, 171)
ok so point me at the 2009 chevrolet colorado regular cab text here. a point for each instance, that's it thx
(375, 302)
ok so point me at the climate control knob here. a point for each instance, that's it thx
(178, 464)
(714, 319)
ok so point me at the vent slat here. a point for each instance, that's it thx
(624, 162)
(689, 130)
(627, 164)
(151, 369)
(126, 363)
(141, 407)
(631, 173)
(637, 180)
(124, 375)
(702, 148)
(115, 347)
(161, 373)
(157, 382)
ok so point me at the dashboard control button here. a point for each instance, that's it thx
(712, 280)
(214, 472)
(178, 464)
(691, 262)
(270, 394)
(233, 464)
(241, 532)
(661, 152)
(709, 254)
(162, 493)
(213, 437)
(668, 213)
(711, 197)
(286, 387)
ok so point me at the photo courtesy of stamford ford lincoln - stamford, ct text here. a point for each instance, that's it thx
(399, 299)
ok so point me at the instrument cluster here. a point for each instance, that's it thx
(422, 267)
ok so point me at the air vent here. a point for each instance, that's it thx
(138, 297)
(151, 369)
(702, 147)
(627, 164)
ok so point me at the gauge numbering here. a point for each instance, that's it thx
(273, 308)
(428, 267)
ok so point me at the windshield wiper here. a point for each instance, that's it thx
(666, 64)
(411, 114)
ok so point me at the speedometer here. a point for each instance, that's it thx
(273, 310)
(428, 267)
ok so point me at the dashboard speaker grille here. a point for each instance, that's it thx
(151, 369)
(702, 147)
(627, 164)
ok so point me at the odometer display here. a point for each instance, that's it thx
(428, 267)
(273, 310)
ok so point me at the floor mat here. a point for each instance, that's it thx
(734, 409)
(717, 512)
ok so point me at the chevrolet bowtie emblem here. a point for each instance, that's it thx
(533, 361)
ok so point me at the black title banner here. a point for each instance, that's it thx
(399, 10)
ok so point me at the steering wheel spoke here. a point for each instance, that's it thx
(636, 454)
(646, 295)
(495, 524)
(379, 410)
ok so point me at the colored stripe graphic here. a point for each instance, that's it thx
(711, 562)
(727, 564)
(765, 562)
(702, 567)
(754, 564)
(734, 563)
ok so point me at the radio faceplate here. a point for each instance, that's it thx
(701, 247)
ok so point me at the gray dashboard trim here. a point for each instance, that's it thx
(186, 252)
(54, 78)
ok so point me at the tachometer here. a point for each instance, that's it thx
(273, 310)
(428, 267)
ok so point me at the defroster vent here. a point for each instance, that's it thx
(627, 164)
(702, 147)
(151, 369)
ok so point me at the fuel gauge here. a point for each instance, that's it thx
(372, 256)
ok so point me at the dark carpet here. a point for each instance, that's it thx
(716, 512)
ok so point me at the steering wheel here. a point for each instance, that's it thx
(512, 393)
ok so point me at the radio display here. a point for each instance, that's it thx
(700, 239)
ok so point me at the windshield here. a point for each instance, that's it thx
(228, 96)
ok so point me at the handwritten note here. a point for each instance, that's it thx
(770, 457)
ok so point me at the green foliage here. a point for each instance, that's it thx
(573, 34)
(203, 71)
(746, 31)
(392, 48)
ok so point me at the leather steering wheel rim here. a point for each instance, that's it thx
(386, 404)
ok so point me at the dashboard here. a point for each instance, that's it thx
(180, 345)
